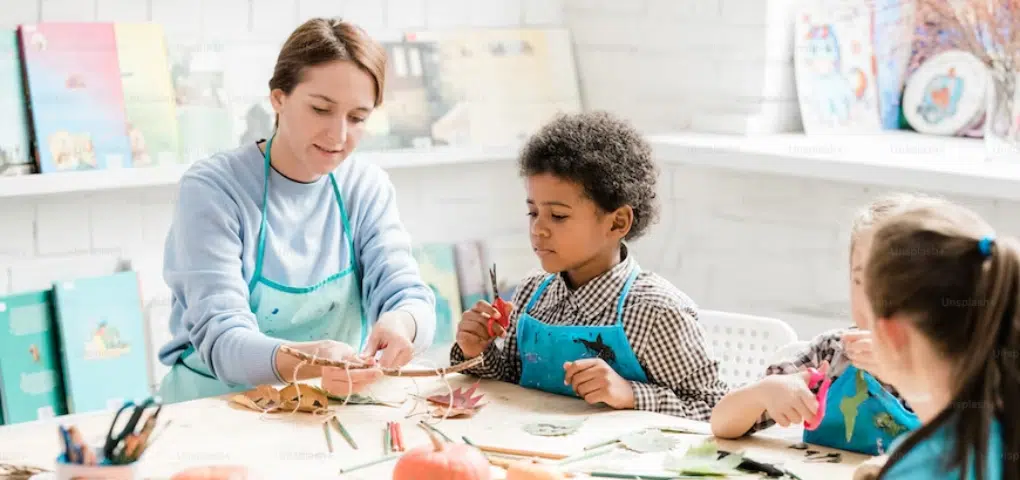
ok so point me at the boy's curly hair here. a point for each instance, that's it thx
(603, 154)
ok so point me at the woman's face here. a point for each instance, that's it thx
(324, 117)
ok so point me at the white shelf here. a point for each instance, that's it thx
(127, 178)
(902, 160)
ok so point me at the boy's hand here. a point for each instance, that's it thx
(473, 330)
(858, 346)
(787, 398)
(596, 382)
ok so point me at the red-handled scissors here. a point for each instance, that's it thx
(500, 304)
(819, 379)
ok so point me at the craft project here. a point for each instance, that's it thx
(299, 397)
(359, 399)
(703, 460)
(947, 95)
(453, 461)
(393, 372)
(834, 67)
(460, 404)
(648, 441)
(554, 428)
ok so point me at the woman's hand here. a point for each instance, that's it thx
(392, 334)
(286, 365)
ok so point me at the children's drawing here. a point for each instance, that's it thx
(894, 26)
(835, 68)
(941, 97)
(105, 343)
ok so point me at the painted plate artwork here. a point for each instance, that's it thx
(947, 94)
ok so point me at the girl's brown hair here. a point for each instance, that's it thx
(938, 267)
(323, 40)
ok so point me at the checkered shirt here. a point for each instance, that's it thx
(827, 346)
(659, 321)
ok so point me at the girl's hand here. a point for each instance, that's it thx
(859, 348)
(787, 398)
(473, 330)
(596, 382)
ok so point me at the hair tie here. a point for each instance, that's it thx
(985, 245)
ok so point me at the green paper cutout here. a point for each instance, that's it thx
(884, 421)
(648, 441)
(553, 428)
(850, 406)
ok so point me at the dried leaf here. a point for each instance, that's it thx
(263, 398)
(303, 397)
(648, 441)
(462, 399)
(703, 460)
(554, 428)
(359, 399)
(445, 411)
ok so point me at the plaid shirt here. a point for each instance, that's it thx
(659, 321)
(827, 346)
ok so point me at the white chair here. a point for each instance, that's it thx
(788, 351)
(744, 344)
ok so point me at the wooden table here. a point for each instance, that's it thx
(214, 431)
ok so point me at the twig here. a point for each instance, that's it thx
(370, 463)
(393, 372)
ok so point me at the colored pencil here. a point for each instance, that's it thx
(400, 436)
(329, 437)
(343, 431)
(386, 440)
(435, 430)
(370, 463)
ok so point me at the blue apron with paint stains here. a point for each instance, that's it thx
(329, 310)
(545, 348)
(861, 416)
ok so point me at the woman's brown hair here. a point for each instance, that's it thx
(940, 268)
(323, 40)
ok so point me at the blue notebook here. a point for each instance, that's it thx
(102, 335)
(31, 384)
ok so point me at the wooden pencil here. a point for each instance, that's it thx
(370, 463)
(329, 437)
(386, 439)
(343, 431)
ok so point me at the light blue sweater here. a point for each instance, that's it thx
(211, 249)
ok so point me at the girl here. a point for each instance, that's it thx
(945, 294)
(784, 396)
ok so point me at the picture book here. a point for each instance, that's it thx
(500, 85)
(102, 335)
(439, 270)
(75, 95)
(834, 67)
(15, 147)
(893, 32)
(412, 102)
(148, 94)
(473, 272)
(203, 114)
(31, 380)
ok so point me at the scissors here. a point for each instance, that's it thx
(500, 304)
(128, 436)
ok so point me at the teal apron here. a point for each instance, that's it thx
(545, 348)
(330, 310)
(861, 416)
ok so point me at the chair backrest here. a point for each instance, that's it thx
(788, 351)
(744, 344)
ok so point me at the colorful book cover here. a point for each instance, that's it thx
(439, 270)
(834, 67)
(102, 334)
(148, 94)
(894, 22)
(203, 114)
(412, 100)
(15, 147)
(31, 381)
(532, 70)
(75, 95)
(473, 272)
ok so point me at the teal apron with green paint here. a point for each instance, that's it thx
(861, 416)
(329, 310)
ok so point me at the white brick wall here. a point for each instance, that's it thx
(742, 242)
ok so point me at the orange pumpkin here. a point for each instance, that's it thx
(213, 472)
(531, 470)
(442, 461)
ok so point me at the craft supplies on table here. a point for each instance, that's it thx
(128, 437)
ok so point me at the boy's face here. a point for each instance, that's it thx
(860, 309)
(567, 228)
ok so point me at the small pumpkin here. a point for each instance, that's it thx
(213, 472)
(532, 470)
(442, 461)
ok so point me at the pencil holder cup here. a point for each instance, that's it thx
(102, 470)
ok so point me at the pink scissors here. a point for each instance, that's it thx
(818, 378)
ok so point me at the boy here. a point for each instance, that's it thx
(784, 396)
(596, 326)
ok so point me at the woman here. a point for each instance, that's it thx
(283, 242)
